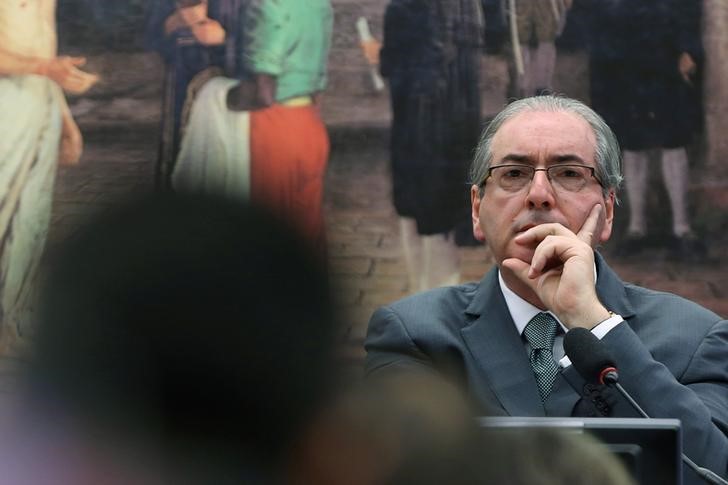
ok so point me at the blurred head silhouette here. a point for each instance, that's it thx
(190, 332)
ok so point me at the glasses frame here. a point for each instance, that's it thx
(591, 169)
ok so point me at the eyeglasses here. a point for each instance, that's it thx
(569, 178)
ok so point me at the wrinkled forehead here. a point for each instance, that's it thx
(544, 136)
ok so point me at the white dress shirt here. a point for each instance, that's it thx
(522, 312)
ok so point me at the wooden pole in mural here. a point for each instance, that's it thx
(715, 40)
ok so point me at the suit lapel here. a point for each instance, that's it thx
(498, 351)
(611, 290)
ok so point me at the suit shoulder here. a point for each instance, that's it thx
(433, 308)
(447, 296)
(668, 305)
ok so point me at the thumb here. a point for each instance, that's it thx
(78, 61)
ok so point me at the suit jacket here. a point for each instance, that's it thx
(672, 356)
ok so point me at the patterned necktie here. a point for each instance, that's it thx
(540, 333)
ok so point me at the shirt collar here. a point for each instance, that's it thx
(522, 311)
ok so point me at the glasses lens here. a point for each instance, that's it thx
(512, 177)
(569, 177)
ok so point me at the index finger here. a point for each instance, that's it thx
(586, 233)
(540, 232)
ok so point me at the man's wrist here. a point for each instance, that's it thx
(603, 327)
(40, 67)
(588, 320)
(603, 319)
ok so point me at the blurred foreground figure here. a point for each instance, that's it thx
(36, 132)
(419, 430)
(554, 457)
(375, 431)
(181, 340)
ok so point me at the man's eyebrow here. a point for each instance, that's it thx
(570, 157)
(516, 158)
(529, 160)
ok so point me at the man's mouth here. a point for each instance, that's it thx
(532, 220)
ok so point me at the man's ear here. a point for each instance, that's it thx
(609, 202)
(475, 201)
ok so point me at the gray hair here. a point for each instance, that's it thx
(606, 152)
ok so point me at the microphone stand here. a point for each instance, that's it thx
(611, 378)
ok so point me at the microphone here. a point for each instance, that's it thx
(595, 363)
(590, 357)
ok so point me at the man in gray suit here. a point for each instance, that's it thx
(545, 177)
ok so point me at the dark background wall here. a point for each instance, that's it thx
(95, 26)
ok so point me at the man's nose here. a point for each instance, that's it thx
(540, 192)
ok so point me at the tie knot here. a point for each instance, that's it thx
(541, 331)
